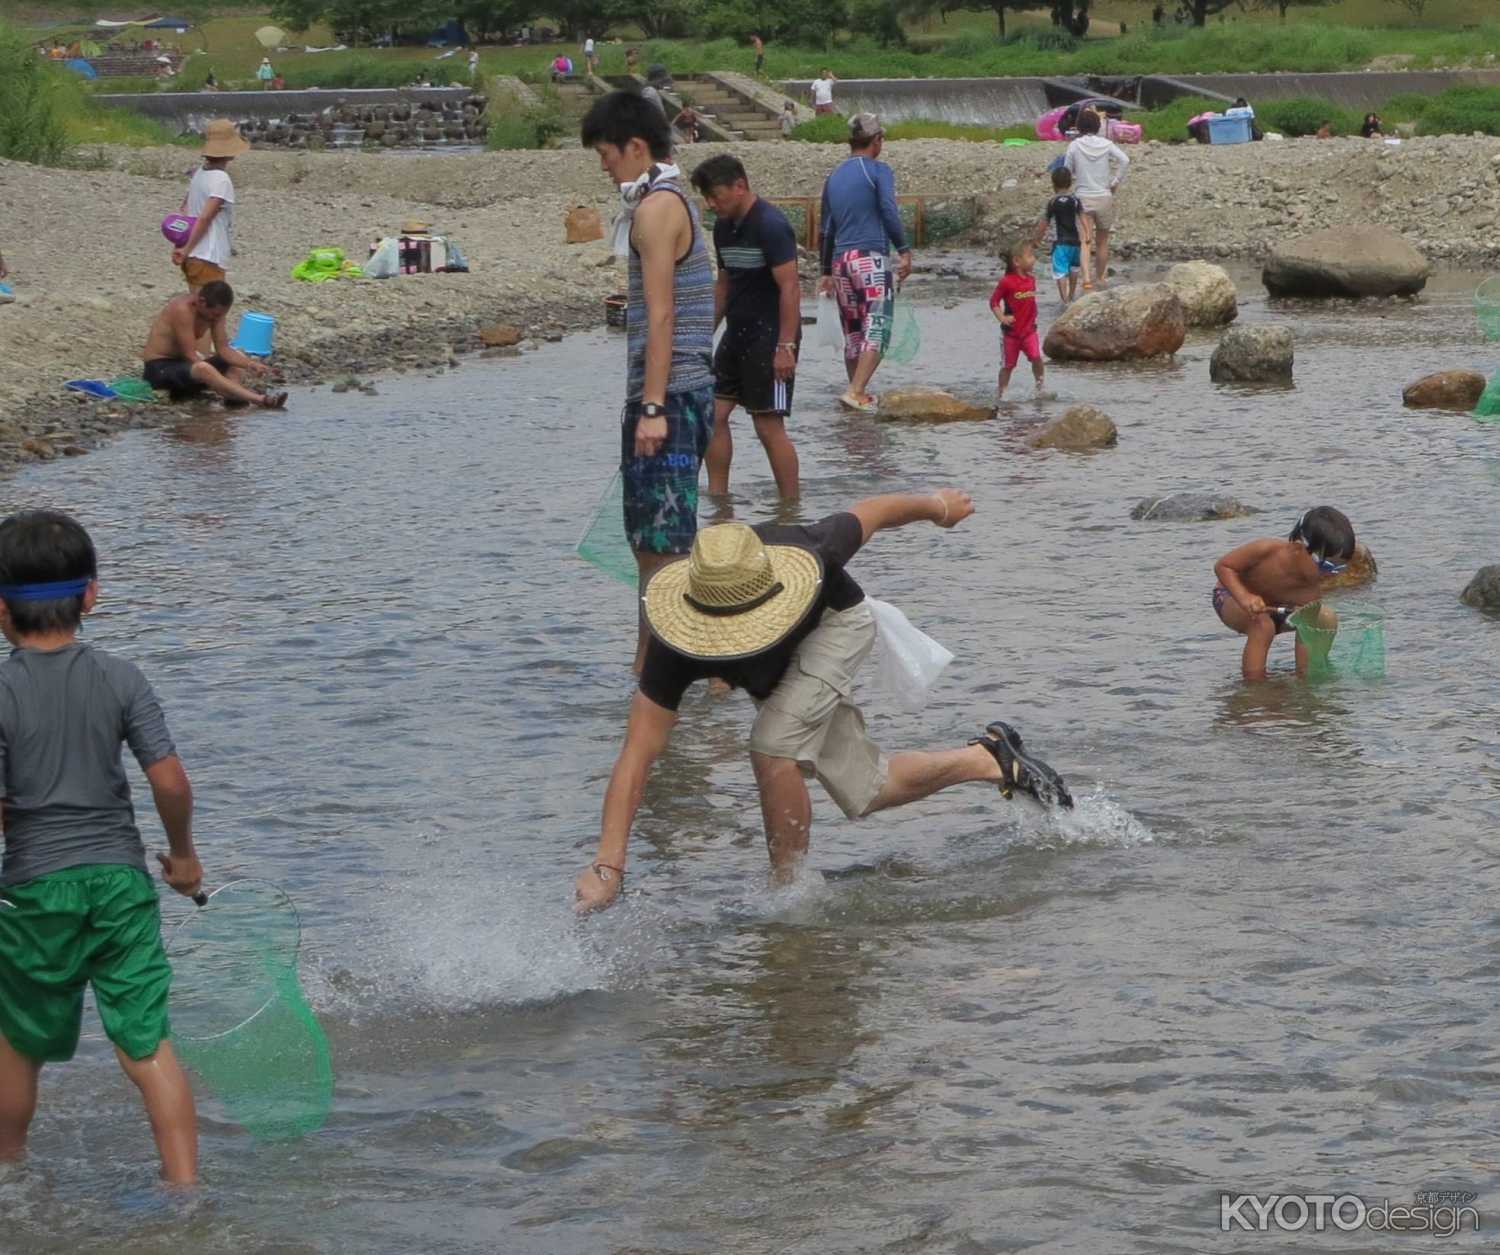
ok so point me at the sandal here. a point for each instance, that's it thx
(1020, 770)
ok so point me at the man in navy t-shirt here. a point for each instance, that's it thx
(760, 297)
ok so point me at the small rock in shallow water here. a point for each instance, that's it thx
(1191, 507)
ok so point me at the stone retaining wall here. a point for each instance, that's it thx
(408, 124)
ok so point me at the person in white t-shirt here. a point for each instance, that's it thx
(822, 92)
(590, 55)
(204, 255)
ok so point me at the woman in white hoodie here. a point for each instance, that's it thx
(1098, 168)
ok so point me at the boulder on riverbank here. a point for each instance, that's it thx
(929, 405)
(1483, 591)
(1133, 321)
(1445, 390)
(1081, 428)
(1346, 261)
(1206, 292)
(1191, 507)
(1253, 355)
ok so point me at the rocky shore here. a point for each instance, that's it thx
(90, 267)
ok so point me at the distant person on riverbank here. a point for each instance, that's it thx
(1014, 305)
(1098, 168)
(759, 45)
(562, 67)
(204, 255)
(788, 119)
(77, 905)
(265, 73)
(473, 65)
(1325, 130)
(861, 229)
(822, 91)
(1261, 583)
(632, 59)
(758, 296)
(669, 389)
(210, 83)
(590, 55)
(685, 124)
(1064, 212)
(1372, 127)
(774, 610)
(174, 363)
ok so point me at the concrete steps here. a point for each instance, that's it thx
(733, 112)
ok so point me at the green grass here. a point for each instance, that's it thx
(833, 128)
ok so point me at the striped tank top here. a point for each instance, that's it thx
(693, 321)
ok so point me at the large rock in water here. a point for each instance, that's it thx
(1445, 390)
(1133, 321)
(929, 405)
(1081, 427)
(1253, 355)
(1206, 292)
(1346, 261)
(1361, 570)
(1483, 591)
(1191, 507)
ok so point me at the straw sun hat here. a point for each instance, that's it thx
(221, 138)
(734, 596)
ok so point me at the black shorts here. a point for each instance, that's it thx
(175, 375)
(744, 372)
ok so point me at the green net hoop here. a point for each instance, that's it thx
(239, 1017)
(906, 335)
(1488, 407)
(1487, 307)
(1347, 639)
(603, 543)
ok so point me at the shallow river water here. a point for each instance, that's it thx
(1261, 956)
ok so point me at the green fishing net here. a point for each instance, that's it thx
(906, 335)
(1487, 307)
(604, 543)
(132, 388)
(1348, 639)
(239, 1017)
(1489, 402)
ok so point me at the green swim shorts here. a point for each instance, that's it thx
(95, 925)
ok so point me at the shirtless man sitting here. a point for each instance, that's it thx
(174, 364)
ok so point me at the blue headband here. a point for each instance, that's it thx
(46, 592)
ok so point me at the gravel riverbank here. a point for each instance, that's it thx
(91, 268)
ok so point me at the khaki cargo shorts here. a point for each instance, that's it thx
(811, 718)
(1102, 210)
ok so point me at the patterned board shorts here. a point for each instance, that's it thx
(661, 492)
(866, 294)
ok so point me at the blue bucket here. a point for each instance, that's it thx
(5, 290)
(254, 335)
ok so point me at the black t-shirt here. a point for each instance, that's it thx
(748, 249)
(836, 539)
(1063, 211)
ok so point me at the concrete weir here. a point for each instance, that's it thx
(962, 101)
(189, 111)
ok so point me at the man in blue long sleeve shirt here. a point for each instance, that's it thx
(861, 229)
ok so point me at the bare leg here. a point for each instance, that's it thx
(1259, 631)
(780, 452)
(1062, 291)
(1039, 372)
(1072, 286)
(1005, 375)
(1101, 256)
(786, 810)
(169, 1104)
(18, 1087)
(646, 565)
(1086, 241)
(864, 371)
(224, 385)
(720, 448)
(918, 773)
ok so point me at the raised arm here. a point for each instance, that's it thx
(946, 507)
(646, 737)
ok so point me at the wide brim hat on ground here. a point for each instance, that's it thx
(221, 138)
(415, 226)
(734, 596)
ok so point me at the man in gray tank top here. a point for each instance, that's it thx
(669, 397)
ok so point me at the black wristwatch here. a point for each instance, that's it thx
(651, 410)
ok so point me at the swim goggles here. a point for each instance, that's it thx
(1331, 568)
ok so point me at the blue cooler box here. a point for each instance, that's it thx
(1229, 130)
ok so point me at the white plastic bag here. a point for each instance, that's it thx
(385, 261)
(830, 327)
(910, 661)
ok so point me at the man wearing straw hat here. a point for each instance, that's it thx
(204, 255)
(773, 610)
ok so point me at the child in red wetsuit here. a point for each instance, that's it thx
(1014, 304)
